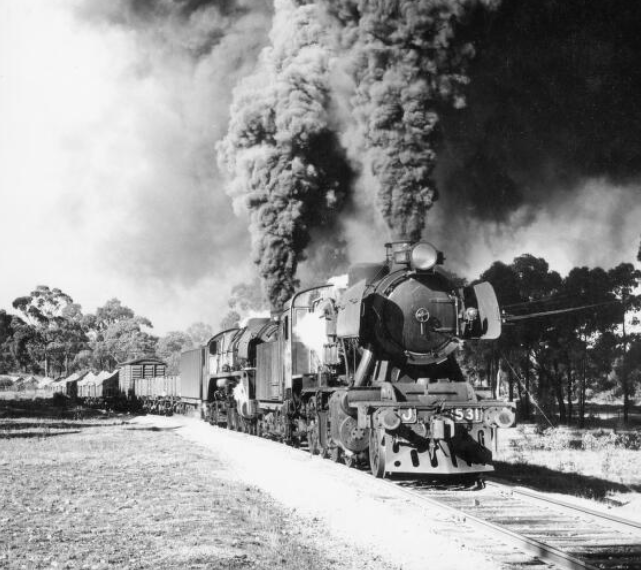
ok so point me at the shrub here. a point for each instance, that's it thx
(601, 440)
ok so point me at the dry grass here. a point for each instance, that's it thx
(99, 493)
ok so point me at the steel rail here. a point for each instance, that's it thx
(560, 505)
(541, 550)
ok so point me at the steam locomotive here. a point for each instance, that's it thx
(362, 372)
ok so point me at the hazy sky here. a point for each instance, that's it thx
(108, 179)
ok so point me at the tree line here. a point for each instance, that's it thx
(563, 339)
(49, 334)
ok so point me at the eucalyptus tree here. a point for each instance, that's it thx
(625, 280)
(48, 326)
(170, 348)
(117, 334)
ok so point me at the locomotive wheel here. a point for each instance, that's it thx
(377, 453)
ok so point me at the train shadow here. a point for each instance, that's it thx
(16, 428)
(35, 434)
(49, 409)
(153, 428)
(21, 426)
(46, 418)
(450, 482)
(551, 481)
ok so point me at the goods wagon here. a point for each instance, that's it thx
(130, 371)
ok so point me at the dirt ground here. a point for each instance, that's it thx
(92, 492)
(102, 494)
(136, 493)
(352, 506)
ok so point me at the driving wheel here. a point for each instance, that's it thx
(377, 453)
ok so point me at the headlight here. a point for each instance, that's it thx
(423, 256)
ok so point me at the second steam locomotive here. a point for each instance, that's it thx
(363, 372)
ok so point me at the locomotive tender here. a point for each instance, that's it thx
(363, 372)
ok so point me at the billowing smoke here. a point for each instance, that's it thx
(184, 58)
(406, 60)
(523, 115)
(281, 150)
(547, 154)
(368, 74)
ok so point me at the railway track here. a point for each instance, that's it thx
(554, 532)
(548, 530)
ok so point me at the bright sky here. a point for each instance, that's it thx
(106, 183)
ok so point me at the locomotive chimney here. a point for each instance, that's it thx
(416, 255)
(396, 253)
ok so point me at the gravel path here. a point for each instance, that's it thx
(354, 507)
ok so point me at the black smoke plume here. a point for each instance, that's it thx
(281, 151)
(402, 59)
(406, 59)
(504, 110)
(553, 102)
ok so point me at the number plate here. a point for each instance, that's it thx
(467, 415)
